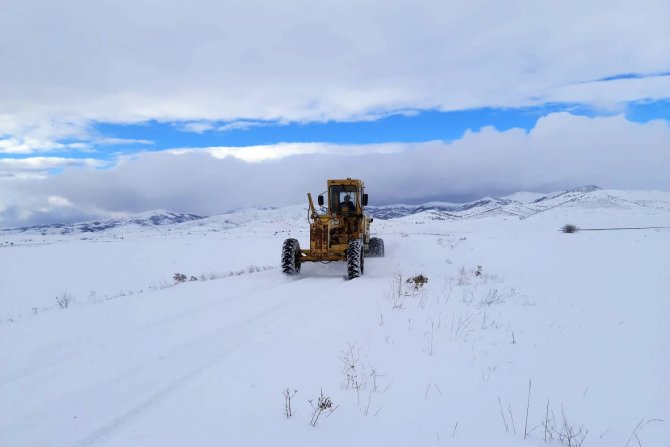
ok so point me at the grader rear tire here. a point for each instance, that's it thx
(376, 247)
(355, 258)
(290, 257)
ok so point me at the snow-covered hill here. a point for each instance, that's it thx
(520, 205)
(146, 219)
(517, 322)
(523, 204)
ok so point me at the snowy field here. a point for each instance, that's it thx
(523, 335)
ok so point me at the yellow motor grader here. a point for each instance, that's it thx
(342, 233)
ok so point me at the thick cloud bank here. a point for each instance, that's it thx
(67, 64)
(562, 151)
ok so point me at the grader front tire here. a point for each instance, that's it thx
(355, 258)
(290, 257)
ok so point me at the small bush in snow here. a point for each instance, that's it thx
(569, 228)
(417, 281)
(64, 300)
(322, 405)
(564, 432)
(179, 278)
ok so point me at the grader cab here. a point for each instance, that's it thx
(342, 233)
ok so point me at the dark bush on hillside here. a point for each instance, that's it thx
(418, 281)
(569, 228)
(179, 277)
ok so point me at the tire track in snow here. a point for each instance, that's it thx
(269, 317)
(48, 363)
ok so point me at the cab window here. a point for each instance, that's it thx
(343, 198)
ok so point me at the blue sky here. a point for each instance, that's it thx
(417, 126)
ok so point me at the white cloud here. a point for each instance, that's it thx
(38, 132)
(204, 126)
(59, 201)
(42, 163)
(195, 126)
(210, 61)
(39, 167)
(610, 94)
(27, 145)
(562, 151)
(240, 125)
(35, 135)
(283, 150)
(106, 141)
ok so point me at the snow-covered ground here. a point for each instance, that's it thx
(510, 303)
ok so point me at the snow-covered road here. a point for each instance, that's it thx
(583, 317)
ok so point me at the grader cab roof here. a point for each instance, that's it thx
(348, 182)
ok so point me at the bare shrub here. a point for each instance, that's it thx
(361, 377)
(353, 369)
(397, 293)
(64, 300)
(374, 375)
(491, 298)
(563, 431)
(323, 405)
(461, 328)
(288, 395)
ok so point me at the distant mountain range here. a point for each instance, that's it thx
(518, 205)
(521, 204)
(146, 219)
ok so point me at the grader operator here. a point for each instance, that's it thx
(342, 233)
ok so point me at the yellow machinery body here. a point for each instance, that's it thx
(343, 220)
